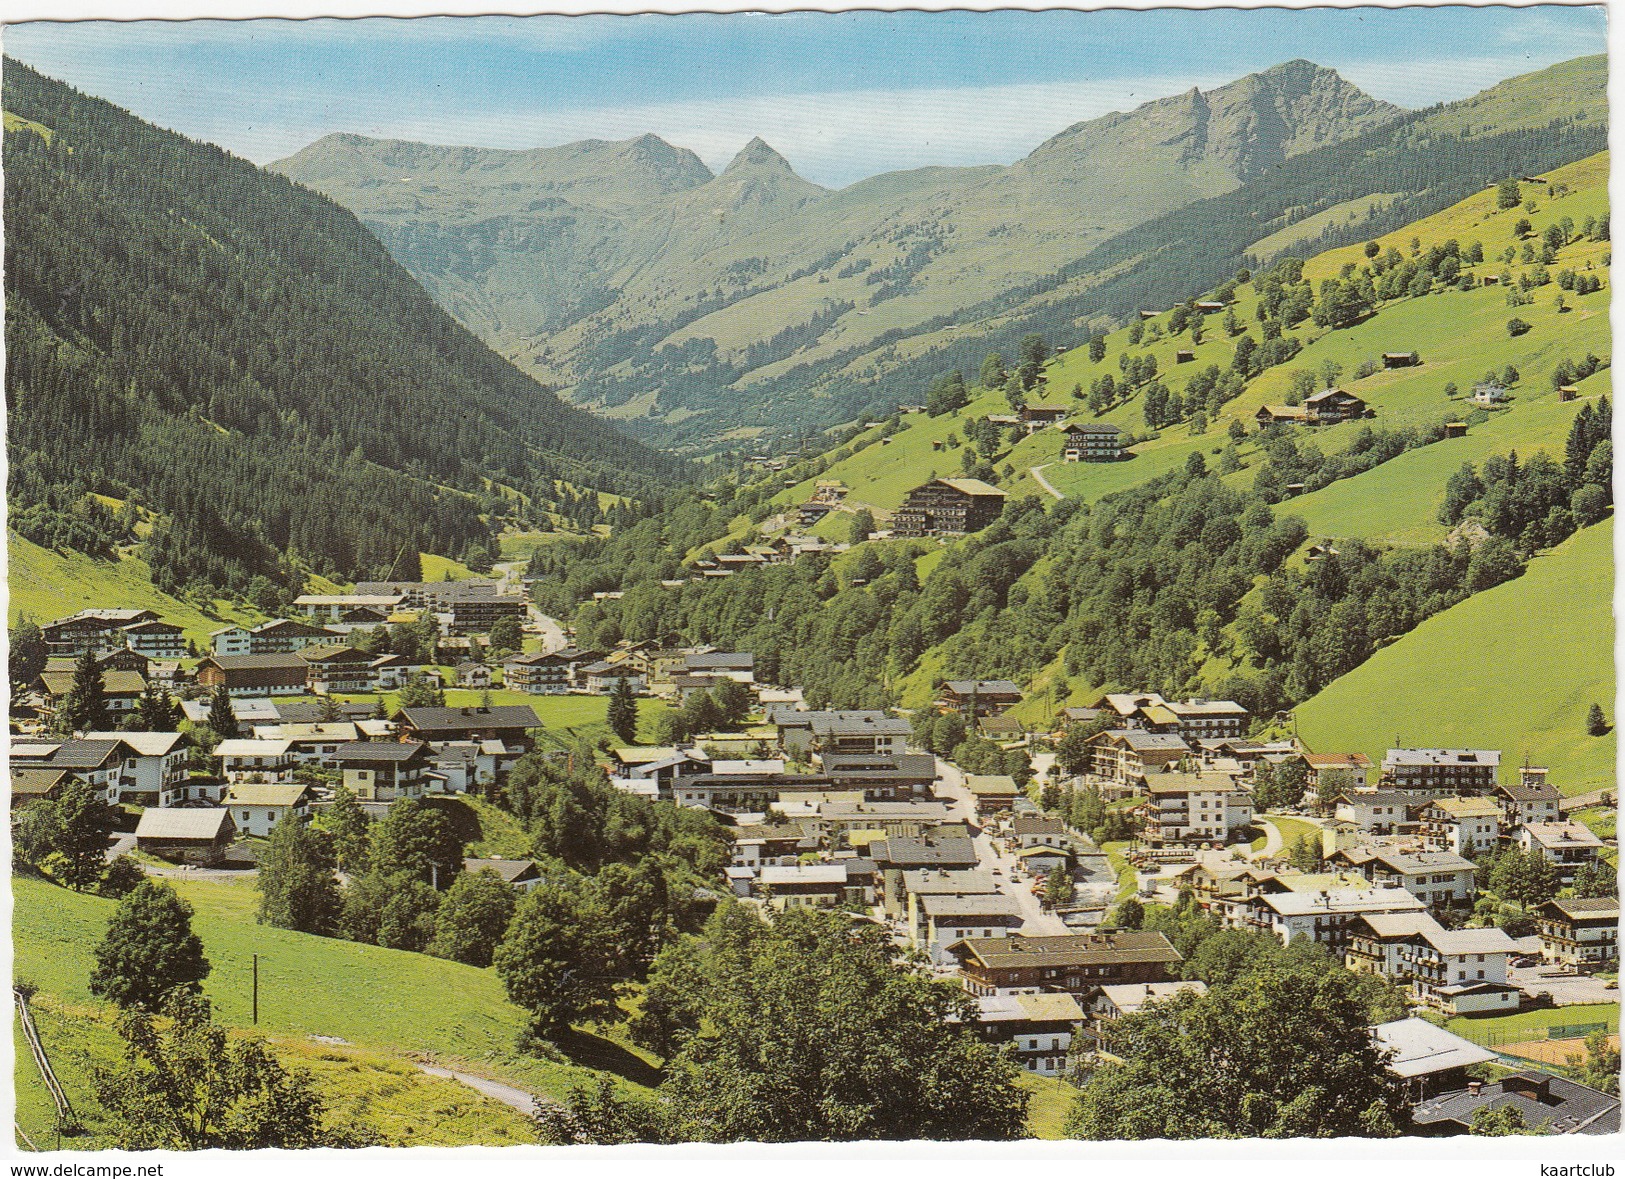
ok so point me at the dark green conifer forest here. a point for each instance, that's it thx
(240, 357)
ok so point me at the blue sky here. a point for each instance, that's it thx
(842, 95)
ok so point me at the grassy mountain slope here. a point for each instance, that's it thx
(1514, 668)
(1459, 334)
(390, 1004)
(45, 585)
(244, 357)
(736, 260)
(1451, 685)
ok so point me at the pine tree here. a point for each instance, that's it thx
(1596, 722)
(84, 708)
(221, 718)
(623, 711)
(149, 950)
(156, 710)
(84, 822)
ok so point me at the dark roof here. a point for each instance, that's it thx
(1545, 792)
(36, 782)
(1560, 1105)
(1072, 949)
(722, 659)
(340, 652)
(380, 751)
(983, 687)
(310, 712)
(1037, 825)
(85, 755)
(917, 765)
(498, 716)
(288, 661)
(924, 853)
(1586, 907)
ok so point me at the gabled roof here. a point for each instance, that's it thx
(1420, 1048)
(380, 752)
(115, 682)
(266, 794)
(1545, 792)
(512, 871)
(1568, 833)
(1037, 825)
(499, 716)
(251, 747)
(1467, 808)
(974, 487)
(1337, 761)
(983, 687)
(146, 744)
(1586, 908)
(1174, 782)
(1130, 997)
(182, 822)
(76, 754)
(974, 904)
(36, 782)
(288, 661)
(991, 784)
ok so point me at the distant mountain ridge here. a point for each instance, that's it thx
(548, 253)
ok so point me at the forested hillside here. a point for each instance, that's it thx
(239, 359)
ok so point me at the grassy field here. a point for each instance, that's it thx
(437, 568)
(1514, 668)
(1478, 1028)
(1049, 1103)
(387, 1002)
(46, 585)
(584, 716)
(403, 1104)
(1292, 830)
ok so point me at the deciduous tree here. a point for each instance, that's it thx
(296, 883)
(473, 916)
(149, 950)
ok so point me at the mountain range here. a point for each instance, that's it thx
(576, 261)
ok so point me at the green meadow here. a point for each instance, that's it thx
(1514, 668)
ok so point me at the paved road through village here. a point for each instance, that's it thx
(1035, 921)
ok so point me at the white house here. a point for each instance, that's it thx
(1458, 971)
(159, 760)
(257, 807)
(1566, 845)
(244, 758)
(1041, 1025)
(946, 918)
(1325, 917)
(1122, 999)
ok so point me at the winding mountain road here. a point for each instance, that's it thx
(1038, 478)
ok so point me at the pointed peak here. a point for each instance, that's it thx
(757, 154)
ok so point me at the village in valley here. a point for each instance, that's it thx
(1464, 884)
